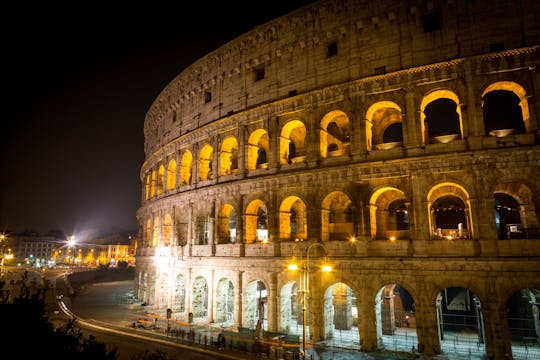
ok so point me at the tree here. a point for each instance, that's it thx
(26, 322)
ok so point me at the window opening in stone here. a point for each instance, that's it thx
(340, 313)
(200, 298)
(201, 229)
(460, 319)
(258, 73)
(331, 50)
(225, 303)
(179, 295)
(502, 113)
(207, 97)
(432, 22)
(524, 322)
(450, 220)
(262, 225)
(507, 217)
(442, 123)
(256, 312)
(395, 318)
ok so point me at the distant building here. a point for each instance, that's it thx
(40, 250)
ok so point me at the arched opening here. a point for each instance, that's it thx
(179, 301)
(524, 323)
(384, 126)
(341, 316)
(202, 230)
(147, 188)
(335, 134)
(200, 299)
(225, 303)
(226, 227)
(161, 179)
(290, 309)
(258, 150)
(337, 218)
(153, 184)
(292, 142)
(389, 214)
(205, 163)
(167, 230)
(256, 222)
(229, 156)
(505, 109)
(449, 212)
(440, 117)
(292, 219)
(395, 319)
(171, 175)
(507, 217)
(155, 233)
(255, 314)
(163, 291)
(460, 322)
(185, 168)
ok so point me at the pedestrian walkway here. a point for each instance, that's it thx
(120, 309)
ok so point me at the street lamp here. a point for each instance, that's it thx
(71, 245)
(304, 283)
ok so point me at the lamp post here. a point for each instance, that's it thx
(2, 239)
(304, 283)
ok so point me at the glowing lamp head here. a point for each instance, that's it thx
(326, 267)
(293, 265)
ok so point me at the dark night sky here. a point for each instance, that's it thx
(77, 84)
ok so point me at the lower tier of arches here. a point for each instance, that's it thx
(481, 307)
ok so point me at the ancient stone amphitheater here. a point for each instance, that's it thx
(396, 141)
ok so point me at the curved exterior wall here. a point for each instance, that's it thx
(399, 123)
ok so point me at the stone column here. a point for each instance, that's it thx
(366, 320)
(212, 297)
(427, 328)
(272, 304)
(239, 301)
(496, 332)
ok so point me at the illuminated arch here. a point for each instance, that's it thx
(256, 222)
(292, 219)
(186, 165)
(388, 214)
(523, 104)
(292, 142)
(171, 175)
(205, 162)
(335, 134)
(147, 188)
(161, 179)
(450, 202)
(336, 217)
(228, 158)
(153, 184)
(380, 117)
(429, 99)
(155, 233)
(258, 150)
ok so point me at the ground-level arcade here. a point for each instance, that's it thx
(423, 304)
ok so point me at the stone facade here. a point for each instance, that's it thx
(401, 137)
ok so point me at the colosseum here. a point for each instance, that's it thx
(355, 173)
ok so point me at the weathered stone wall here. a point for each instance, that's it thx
(346, 184)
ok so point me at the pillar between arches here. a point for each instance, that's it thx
(427, 329)
(497, 335)
(366, 321)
